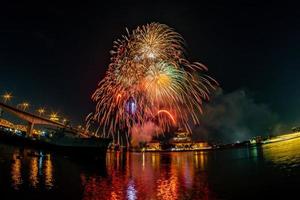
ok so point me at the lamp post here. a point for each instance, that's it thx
(6, 97)
(41, 111)
(25, 106)
(54, 117)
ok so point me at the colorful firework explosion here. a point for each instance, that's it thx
(149, 79)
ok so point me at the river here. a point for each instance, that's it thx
(271, 171)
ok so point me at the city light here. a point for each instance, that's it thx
(64, 120)
(7, 97)
(24, 106)
(41, 111)
(54, 117)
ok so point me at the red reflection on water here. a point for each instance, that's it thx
(150, 176)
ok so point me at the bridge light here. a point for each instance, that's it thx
(54, 117)
(41, 111)
(65, 120)
(24, 105)
(7, 97)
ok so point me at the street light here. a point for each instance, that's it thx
(6, 97)
(54, 117)
(64, 120)
(25, 105)
(41, 111)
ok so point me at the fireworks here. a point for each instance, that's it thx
(150, 80)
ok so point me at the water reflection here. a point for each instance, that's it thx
(224, 174)
(16, 165)
(120, 176)
(48, 171)
(33, 172)
(150, 176)
(128, 175)
(39, 168)
(283, 154)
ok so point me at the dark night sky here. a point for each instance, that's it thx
(55, 54)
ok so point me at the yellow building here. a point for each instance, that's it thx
(153, 146)
(6, 123)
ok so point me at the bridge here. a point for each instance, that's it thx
(32, 119)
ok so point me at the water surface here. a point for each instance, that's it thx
(271, 171)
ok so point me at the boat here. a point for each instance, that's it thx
(62, 141)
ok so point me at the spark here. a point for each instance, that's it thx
(169, 114)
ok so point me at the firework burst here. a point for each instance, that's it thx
(148, 77)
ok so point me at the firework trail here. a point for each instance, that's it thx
(150, 80)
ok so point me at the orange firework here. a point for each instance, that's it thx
(149, 74)
(169, 114)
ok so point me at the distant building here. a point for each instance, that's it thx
(256, 140)
(181, 136)
(190, 145)
(183, 141)
(180, 142)
(153, 146)
(21, 127)
(6, 123)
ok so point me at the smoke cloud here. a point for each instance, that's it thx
(143, 133)
(234, 117)
(227, 118)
